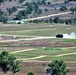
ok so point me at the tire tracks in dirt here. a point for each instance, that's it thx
(65, 54)
(31, 19)
(25, 59)
(27, 39)
(22, 50)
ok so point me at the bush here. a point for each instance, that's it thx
(63, 8)
(46, 10)
(56, 20)
(30, 73)
(57, 67)
(21, 1)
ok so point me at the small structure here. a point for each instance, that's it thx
(15, 21)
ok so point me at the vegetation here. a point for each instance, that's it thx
(21, 1)
(11, 10)
(2, 18)
(30, 73)
(32, 10)
(9, 63)
(57, 67)
(71, 0)
(73, 9)
(1, 12)
(49, 52)
(1, 0)
(63, 8)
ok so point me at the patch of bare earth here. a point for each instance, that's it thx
(41, 43)
(38, 69)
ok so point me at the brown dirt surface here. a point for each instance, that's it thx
(41, 43)
(38, 69)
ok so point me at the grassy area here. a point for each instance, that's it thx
(13, 45)
(40, 30)
(37, 29)
(51, 54)
(69, 40)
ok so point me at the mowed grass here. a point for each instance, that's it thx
(37, 29)
(52, 54)
(69, 40)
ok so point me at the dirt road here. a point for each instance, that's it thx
(22, 50)
(65, 54)
(31, 19)
(42, 56)
(36, 38)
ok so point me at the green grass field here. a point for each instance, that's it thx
(50, 52)
(45, 53)
(34, 30)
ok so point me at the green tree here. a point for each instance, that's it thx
(44, 2)
(30, 73)
(27, 3)
(63, 8)
(1, 13)
(50, 20)
(14, 9)
(29, 9)
(49, 3)
(11, 10)
(35, 8)
(4, 61)
(3, 19)
(39, 11)
(18, 16)
(66, 1)
(15, 66)
(1, 0)
(21, 1)
(56, 19)
(72, 9)
(75, 9)
(57, 67)
(9, 63)
(46, 10)
(39, 2)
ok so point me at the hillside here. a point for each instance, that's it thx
(22, 9)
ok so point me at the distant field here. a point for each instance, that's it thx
(45, 49)
(37, 30)
(33, 46)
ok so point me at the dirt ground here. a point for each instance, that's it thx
(38, 69)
